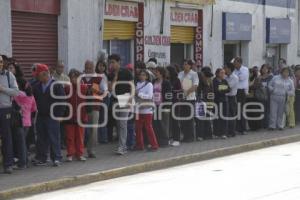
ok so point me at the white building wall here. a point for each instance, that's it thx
(213, 46)
(5, 27)
(80, 31)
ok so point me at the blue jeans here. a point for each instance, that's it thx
(20, 149)
(130, 133)
(48, 136)
(5, 133)
(102, 131)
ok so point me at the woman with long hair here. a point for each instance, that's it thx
(101, 69)
(162, 91)
(176, 97)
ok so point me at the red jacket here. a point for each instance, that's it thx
(75, 101)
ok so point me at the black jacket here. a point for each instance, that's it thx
(44, 100)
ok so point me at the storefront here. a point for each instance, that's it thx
(34, 32)
(183, 31)
(123, 30)
(277, 38)
(237, 32)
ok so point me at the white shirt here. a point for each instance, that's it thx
(243, 75)
(144, 92)
(233, 82)
(187, 81)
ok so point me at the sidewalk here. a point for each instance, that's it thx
(107, 165)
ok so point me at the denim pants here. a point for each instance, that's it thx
(48, 137)
(102, 131)
(19, 142)
(5, 133)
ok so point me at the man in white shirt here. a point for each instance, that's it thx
(233, 82)
(189, 80)
(242, 73)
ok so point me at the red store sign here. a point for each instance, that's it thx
(119, 10)
(198, 46)
(184, 17)
(139, 35)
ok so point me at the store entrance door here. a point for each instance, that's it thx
(273, 55)
(230, 51)
(177, 53)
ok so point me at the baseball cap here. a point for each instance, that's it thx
(40, 68)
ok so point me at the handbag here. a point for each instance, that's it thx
(16, 116)
(261, 94)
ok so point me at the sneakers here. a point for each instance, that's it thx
(56, 163)
(82, 158)
(69, 159)
(175, 144)
(8, 170)
(224, 137)
(92, 155)
(40, 163)
(121, 152)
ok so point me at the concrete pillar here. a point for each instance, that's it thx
(5, 28)
(80, 31)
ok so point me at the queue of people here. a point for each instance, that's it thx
(145, 106)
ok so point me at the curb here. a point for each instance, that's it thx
(141, 167)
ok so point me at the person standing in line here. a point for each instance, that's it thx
(177, 97)
(189, 81)
(144, 93)
(221, 88)
(280, 87)
(8, 89)
(120, 89)
(97, 91)
(162, 94)
(297, 101)
(233, 82)
(101, 69)
(59, 75)
(261, 92)
(130, 123)
(74, 131)
(48, 128)
(242, 72)
(205, 93)
(23, 106)
(290, 113)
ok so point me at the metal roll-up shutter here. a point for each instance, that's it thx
(34, 39)
(118, 30)
(182, 34)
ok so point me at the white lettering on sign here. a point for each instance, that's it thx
(123, 11)
(184, 17)
(158, 40)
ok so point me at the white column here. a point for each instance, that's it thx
(5, 28)
(80, 31)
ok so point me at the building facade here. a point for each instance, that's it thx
(210, 32)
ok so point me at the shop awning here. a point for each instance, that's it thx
(202, 2)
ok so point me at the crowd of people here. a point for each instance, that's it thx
(142, 106)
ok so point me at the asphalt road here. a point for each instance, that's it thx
(268, 174)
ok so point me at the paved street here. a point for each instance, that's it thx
(268, 174)
(107, 160)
